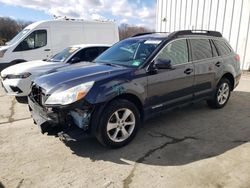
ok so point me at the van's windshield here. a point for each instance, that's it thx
(63, 55)
(17, 37)
(130, 52)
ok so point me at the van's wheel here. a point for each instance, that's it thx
(119, 124)
(221, 94)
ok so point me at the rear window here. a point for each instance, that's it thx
(102, 49)
(201, 49)
(222, 47)
(88, 54)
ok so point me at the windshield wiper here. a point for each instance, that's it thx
(110, 64)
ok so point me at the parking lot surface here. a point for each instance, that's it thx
(190, 147)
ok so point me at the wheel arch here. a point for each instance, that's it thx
(6, 65)
(17, 61)
(230, 77)
(132, 98)
(126, 96)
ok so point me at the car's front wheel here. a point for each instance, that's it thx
(221, 95)
(119, 124)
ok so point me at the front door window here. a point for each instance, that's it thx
(36, 39)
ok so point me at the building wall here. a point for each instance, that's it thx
(230, 17)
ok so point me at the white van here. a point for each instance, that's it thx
(42, 39)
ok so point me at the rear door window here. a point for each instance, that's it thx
(102, 49)
(201, 49)
(88, 54)
(222, 47)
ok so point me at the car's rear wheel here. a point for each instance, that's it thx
(118, 124)
(221, 95)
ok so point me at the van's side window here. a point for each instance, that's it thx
(201, 49)
(222, 48)
(176, 52)
(36, 39)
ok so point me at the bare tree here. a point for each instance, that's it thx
(9, 28)
(126, 30)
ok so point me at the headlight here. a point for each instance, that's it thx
(2, 52)
(18, 76)
(70, 95)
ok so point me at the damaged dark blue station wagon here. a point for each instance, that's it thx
(134, 80)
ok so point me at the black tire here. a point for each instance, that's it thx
(214, 102)
(102, 134)
(23, 100)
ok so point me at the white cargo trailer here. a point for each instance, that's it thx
(42, 39)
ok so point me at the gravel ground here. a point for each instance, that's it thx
(190, 147)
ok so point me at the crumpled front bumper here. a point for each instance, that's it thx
(49, 118)
(44, 119)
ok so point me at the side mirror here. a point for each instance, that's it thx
(163, 64)
(75, 60)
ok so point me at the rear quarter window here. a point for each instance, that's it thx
(201, 49)
(222, 47)
(214, 50)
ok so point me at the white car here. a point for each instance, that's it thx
(17, 79)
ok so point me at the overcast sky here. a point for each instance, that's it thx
(137, 12)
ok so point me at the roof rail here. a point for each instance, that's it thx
(196, 32)
(147, 33)
(185, 32)
(79, 19)
(140, 34)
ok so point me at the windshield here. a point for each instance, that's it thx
(132, 52)
(17, 37)
(63, 55)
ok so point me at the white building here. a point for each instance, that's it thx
(230, 17)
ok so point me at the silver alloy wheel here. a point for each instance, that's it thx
(223, 93)
(121, 125)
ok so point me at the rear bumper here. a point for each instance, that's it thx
(237, 80)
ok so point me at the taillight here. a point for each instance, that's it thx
(237, 57)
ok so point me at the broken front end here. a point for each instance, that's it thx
(49, 117)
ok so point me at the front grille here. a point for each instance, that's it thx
(37, 94)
